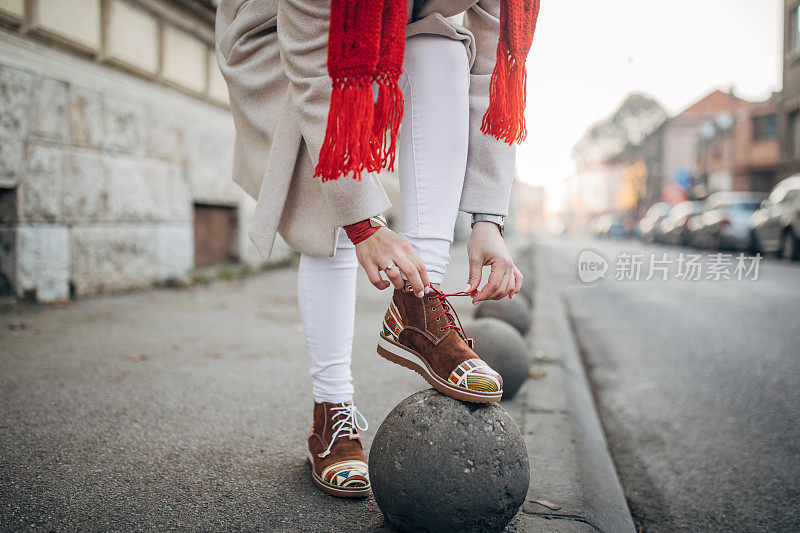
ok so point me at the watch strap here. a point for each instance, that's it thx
(498, 220)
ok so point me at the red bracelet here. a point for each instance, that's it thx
(360, 230)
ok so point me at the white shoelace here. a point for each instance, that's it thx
(351, 418)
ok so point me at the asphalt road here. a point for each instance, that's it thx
(698, 386)
(182, 409)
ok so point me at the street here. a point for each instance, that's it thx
(697, 384)
(183, 409)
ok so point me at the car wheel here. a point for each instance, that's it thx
(755, 247)
(790, 246)
(716, 241)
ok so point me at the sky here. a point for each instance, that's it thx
(587, 55)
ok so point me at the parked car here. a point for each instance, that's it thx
(672, 227)
(725, 224)
(776, 224)
(648, 226)
(608, 225)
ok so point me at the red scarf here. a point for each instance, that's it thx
(366, 43)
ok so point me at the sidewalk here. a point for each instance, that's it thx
(178, 409)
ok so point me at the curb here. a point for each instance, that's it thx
(574, 485)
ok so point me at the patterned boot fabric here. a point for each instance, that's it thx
(425, 335)
(338, 466)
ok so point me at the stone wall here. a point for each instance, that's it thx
(99, 172)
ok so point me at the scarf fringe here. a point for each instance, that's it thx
(387, 116)
(504, 119)
(347, 144)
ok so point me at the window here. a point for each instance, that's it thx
(765, 127)
(793, 141)
(794, 30)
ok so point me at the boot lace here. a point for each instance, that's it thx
(447, 312)
(346, 418)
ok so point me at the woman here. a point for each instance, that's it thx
(300, 142)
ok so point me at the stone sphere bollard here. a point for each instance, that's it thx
(439, 464)
(525, 300)
(513, 311)
(504, 349)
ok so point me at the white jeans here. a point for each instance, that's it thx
(432, 158)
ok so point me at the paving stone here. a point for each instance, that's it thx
(170, 198)
(130, 198)
(208, 164)
(16, 90)
(51, 114)
(549, 392)
(85, 188)
(15, 102)
(555, 473)
(175, 250)
(42, 261)
(113, 258)
(165, 133)
(11, 151)
(41, 188)
(86, 117)
(124, 124)
(540, 524)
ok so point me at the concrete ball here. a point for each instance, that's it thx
(524, 299)
(504, 349)
(513, 311)
(439, 464)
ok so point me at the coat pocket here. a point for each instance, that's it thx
(240, 20)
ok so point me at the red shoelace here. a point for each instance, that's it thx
(447, 308)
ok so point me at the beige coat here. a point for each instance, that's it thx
(273, 55)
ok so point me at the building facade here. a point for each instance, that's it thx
(741, 153)
(789, 115)
(671, 151)
(115, 147)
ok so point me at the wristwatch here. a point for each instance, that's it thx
(378, 221)
(500, 220)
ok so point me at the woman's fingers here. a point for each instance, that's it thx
(395, 277)
(375, 277)
(504, 285)
(517, 283)
(412, 274)
(492, 284)
(423, 273)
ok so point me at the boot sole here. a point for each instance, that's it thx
(410, 359)
(361, 492)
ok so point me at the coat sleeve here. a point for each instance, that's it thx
(490, 162)
(303, 41)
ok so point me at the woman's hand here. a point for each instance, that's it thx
(486, 247)
(385, 247)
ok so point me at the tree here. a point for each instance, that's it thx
(635, 118)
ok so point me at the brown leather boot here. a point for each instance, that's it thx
(425, 335)
(337, 459)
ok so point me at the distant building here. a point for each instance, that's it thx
(789, 119)
(115, 147)
(662, 166)
(594, 189)
(528, 209)
(739, 152)
(604, 158)
(670, 152)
